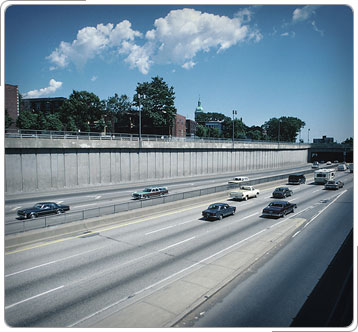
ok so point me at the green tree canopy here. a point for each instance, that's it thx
(289, 128)
(82, 111)
(156, 100)
(8, 119)
(118, 112)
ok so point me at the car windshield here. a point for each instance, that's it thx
(331, 182)
(213, 207)
(276, 204)
(38, 205)
(280, 189)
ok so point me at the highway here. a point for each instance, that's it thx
(273, 293)
(78, 280)
(90, 198)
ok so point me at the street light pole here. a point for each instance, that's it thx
(279, 123)
(233, 126)
(309, 135)
(140, 121)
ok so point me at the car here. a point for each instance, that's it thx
(218, 211)
(42, 209)
(296, 178)
(336, 161)
(342, 167)
(238, 179)
(315, 164)
(328, 163)
(244, 193)
(332, 184)
(149, 192)
(282, 192)
(278, 209)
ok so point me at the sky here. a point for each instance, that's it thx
(264, 61)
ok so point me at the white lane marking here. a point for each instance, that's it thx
(98, 197)
(59, 202)
(163, 280)
(317, 190)
(176, 244)
(79, 206)
(33, 297)
(326, 207)
(16, 208)
(251, 215)
(159, 230)
(49, 263)
(296, 234)
(171, 226)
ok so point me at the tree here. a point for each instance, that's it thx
(156, 101)
(8, 120)
(85, 109)
(289, 128)
(348, 141)
(27, 120)
(118, 111)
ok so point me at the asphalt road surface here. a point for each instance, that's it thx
(79, 279)
(83, 199)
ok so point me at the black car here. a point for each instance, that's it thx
(282, 192)
(296, 179)
(42, 209)
(278, 209)
(218, 211)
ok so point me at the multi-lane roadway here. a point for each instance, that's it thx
(81, 279)
(89, 198)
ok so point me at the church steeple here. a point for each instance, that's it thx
(199, 108)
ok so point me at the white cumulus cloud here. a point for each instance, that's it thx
(175, 39)
(53, 86)
(304, 13)
(183, 33)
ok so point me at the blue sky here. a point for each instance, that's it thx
(264, 61)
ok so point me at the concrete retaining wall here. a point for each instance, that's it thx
(30, 166)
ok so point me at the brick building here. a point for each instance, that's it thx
(179, 126)
(12, 103)
(45, 105)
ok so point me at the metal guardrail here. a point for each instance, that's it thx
(52, 134)
(73, 216)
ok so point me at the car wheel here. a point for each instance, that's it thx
(220, 217)
(245, 198)
(33, 215)
(59, 211)
(233, 212)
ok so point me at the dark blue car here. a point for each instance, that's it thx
(42, 209)
(218, 211)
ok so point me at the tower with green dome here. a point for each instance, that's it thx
(199, 109)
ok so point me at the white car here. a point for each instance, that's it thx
(239, 179)
(244, 193)
(342, 167)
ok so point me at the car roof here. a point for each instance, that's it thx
(279, 202)
(221, 204)
(281, 188)
(46, 203)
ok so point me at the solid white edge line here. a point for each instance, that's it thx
(33, 297)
